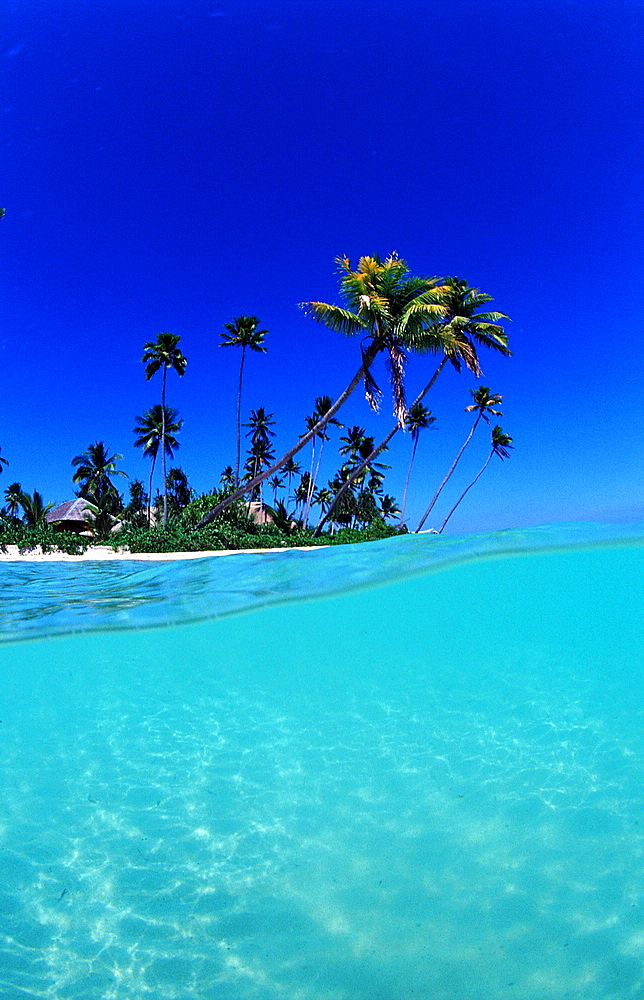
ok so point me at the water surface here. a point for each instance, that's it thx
(427, 785)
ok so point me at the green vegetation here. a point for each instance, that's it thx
(393, 314)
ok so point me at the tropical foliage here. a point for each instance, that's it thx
(392, 315)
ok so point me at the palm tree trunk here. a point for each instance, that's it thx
(165, 485)
(154, 462)
(466, 490)
(449, 473)
(368, 358)
(374, 454)
(239, 393)
(404, 499)
(309, 492)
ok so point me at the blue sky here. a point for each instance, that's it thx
(171, 165)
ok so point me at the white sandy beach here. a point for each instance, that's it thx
(103, 552)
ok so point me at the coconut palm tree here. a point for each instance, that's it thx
(322, 405)
(12, 496)
(261, 451)
(34, 508)
(275, 484)
(484, 403)
(242, 332)
(463, 330)
(322, 498)
(418, 418)
(389, 507)
(227, 479)
(163, 353)
(501, 443)
(94, 469)
(391, 313)
(290, 469)
(259, 424)
(150, 428)
(179, 491)
(3, 461)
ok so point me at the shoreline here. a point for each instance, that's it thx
(104, 553)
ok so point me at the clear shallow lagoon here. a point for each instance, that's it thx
(430, 785)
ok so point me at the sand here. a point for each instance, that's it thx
(103, 552)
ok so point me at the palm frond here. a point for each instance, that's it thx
(338, 319)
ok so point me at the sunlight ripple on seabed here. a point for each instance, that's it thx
(428, 786)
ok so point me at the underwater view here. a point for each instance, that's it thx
(413, 768)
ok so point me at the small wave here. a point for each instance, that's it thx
(59, 598)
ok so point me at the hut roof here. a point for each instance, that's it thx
(71, 510)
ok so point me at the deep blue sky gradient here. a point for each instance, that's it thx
(170, 165)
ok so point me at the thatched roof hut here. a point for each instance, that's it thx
(73, 515)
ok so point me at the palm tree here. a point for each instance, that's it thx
(179, 491)
(484, 403)
(260, 424)
(150, 428)
(389, 507)
(12, 496)
(34, 508)
(3, 461)
(462, 330)
(275, 484)
(227, 479)
(163, 353)
(500, 444)
(243, 332)
(322, 498)
(392, 313)
(260, 452)
(290, 469)
(301, 493)
(418, 418)
(322, 405)
(94, 469)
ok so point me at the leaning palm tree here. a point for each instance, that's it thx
(484, 403)
(500, 444)
(391, 313)
(242, 332)
(94, 469)
(465, 328)
(163, 353)
(418, 418)
(149, 428)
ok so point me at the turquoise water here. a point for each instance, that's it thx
(427, 785)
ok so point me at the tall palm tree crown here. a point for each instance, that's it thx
(243, 332)
(163, 353)
(390, 311)
(468, 329)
